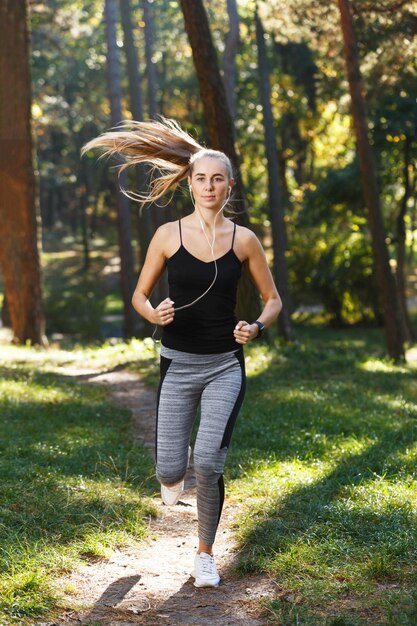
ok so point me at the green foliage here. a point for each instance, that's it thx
(76, 310)
(313, 129)
(336, 267)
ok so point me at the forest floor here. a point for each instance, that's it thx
(149, 583)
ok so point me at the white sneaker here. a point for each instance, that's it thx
(205, 571)
(172, 493)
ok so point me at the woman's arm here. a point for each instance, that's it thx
(260, 273)
(151, 272)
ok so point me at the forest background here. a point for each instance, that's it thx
(304, 182)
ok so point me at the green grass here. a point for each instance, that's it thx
(323, 461)
(73, 485)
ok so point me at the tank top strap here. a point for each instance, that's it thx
(234, 233)
(179, 225)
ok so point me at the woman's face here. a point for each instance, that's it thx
(210, 182)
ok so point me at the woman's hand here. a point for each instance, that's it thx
(244, 332)
(164, 313)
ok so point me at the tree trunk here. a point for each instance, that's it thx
(144, 219)
(123, 212)
(136, 108)
(150, 65)
(401, 261)
(157, 215)
(229, 57)
(19, 258)
(219, 126)
(132, 61)
(85, 180)
(385, 279)
(276, 204)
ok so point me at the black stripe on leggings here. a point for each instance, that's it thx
(220, 484)
(227, 435)
(163, 369)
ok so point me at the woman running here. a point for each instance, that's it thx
(201, 361)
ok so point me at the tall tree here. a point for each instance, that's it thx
(385, 279)
(123, 212)
(132, 61)
(136, 108)
(218, 120)
(19, 257)
(148, 218)
(150, 65)
(159, 214)
(229, 56)
(275, 195)
(219, 123)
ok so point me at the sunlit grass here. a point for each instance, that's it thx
(323, 464)
(74, 486)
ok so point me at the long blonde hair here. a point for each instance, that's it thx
(163, 144)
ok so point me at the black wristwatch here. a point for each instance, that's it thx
(261, 328)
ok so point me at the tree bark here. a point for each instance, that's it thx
(136, 108)
(123, 212)
(276, 204)
(150, 65)
(229, 57)
(146, 217)
(219, 126)
(132, 61)
(19, 257)
(385, 279)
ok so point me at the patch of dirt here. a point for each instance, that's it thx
(149, 583)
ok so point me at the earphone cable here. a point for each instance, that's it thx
(211, 245)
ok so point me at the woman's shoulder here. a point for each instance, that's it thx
(245, 234)
(246, 242)
(166, 230)
(166, 237)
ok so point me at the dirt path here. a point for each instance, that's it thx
(149, 583)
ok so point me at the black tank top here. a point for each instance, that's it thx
(207, 326)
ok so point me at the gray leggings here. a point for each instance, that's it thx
(217, 381)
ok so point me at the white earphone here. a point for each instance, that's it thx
(211, 245)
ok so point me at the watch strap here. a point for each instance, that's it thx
(260, 326)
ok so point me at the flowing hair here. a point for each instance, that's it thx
(163, 144)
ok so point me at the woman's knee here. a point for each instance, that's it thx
(207, 471)
(169, 476)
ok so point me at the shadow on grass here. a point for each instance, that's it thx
(342, 527)
(73, 482)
